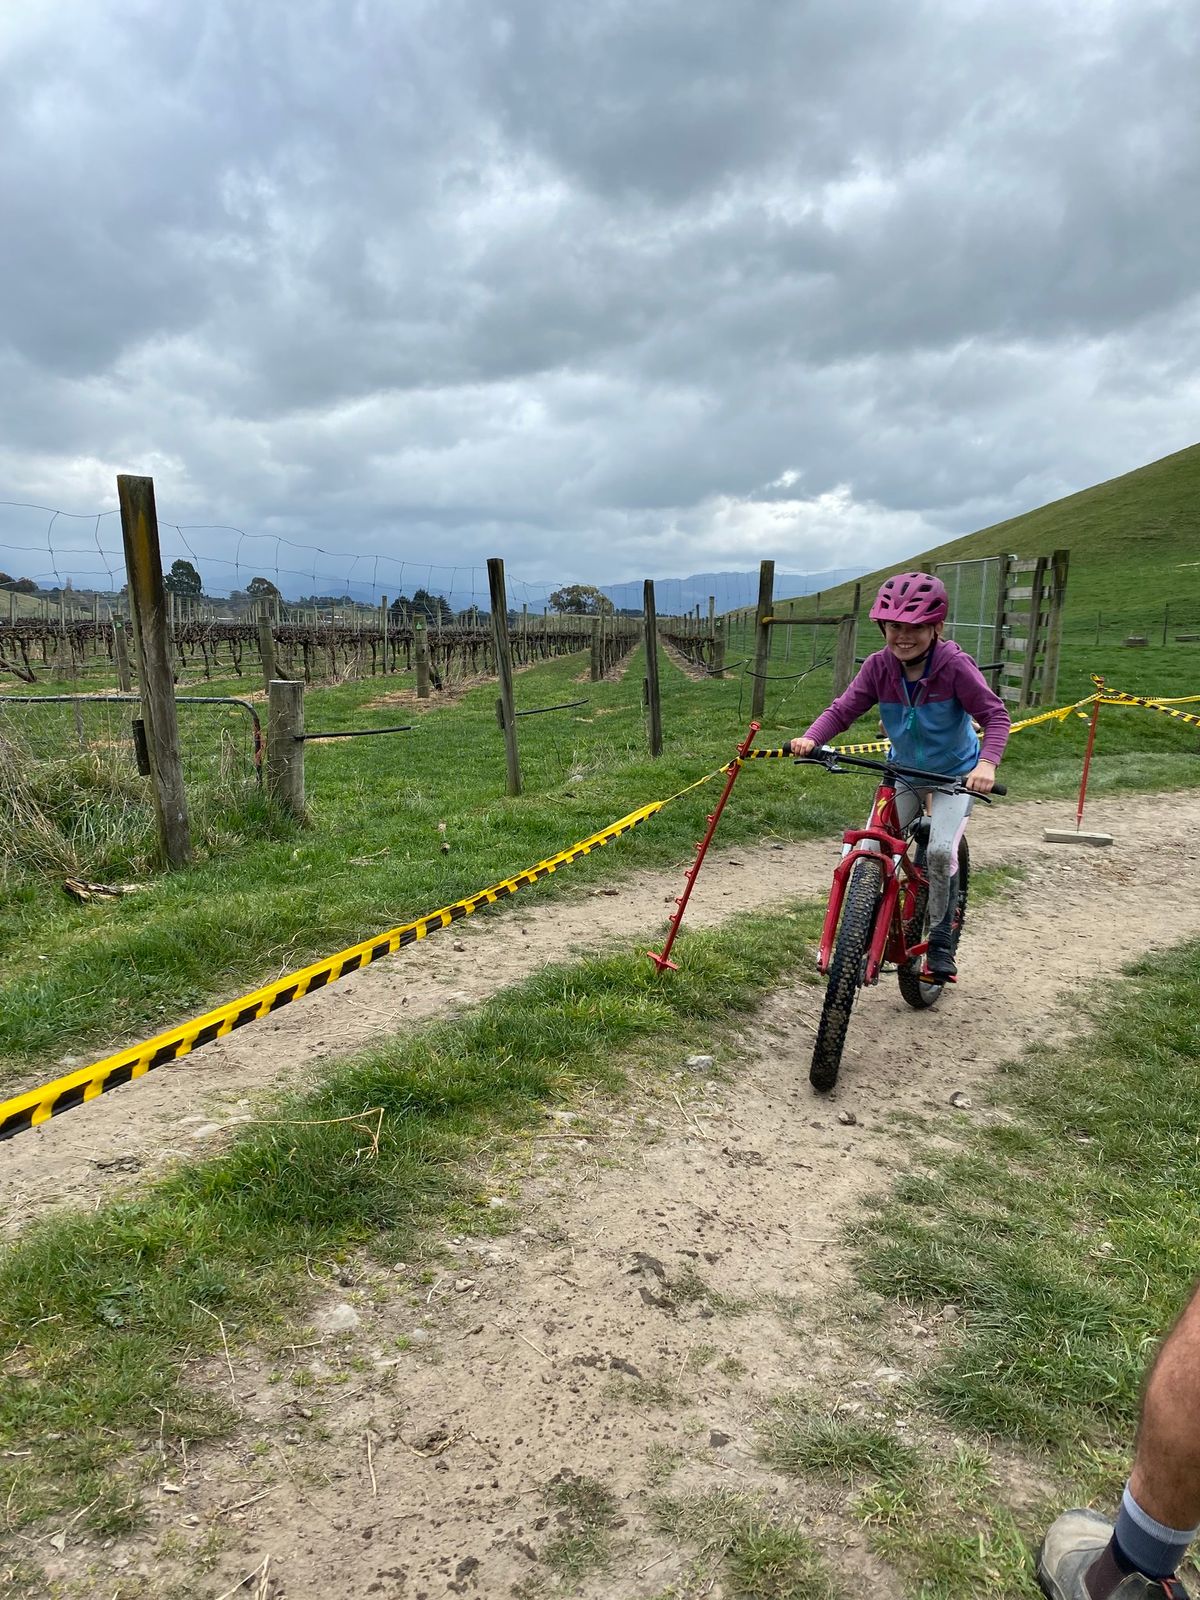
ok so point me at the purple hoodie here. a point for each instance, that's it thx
(933, 732)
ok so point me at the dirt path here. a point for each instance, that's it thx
(1086, 911)
(670, 1270)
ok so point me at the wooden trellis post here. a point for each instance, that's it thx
(503, 651)
(121, 656)
(421, 650)
(147, 597)
(285, 747)
(266, 649)
(762, 645)
(653, 703)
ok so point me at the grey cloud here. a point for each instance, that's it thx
(529, 274)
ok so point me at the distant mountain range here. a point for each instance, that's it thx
(672, 596)
(730, 590)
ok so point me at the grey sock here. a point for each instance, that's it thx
(1148, 1546)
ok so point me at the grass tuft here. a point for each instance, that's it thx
(800, 1441)
(763, 1555)
(587, 1513)
(943, 1523)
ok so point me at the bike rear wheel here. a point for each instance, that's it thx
(846, 971)
(918, 991)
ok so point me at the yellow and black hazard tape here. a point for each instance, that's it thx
(784, 753)
(36, 1106)
(1114, 697)
(1151, 705)
(1106, 697)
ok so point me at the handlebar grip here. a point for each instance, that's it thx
(999, 788)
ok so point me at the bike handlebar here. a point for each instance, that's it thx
(833, 760)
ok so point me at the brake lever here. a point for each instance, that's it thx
(976, 794)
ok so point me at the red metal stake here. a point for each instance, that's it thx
(735, 766)
(1087, 758)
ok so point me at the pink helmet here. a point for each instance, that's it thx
(914, 597)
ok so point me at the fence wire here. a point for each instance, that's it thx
(72, 800)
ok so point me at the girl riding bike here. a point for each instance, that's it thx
(928, 690)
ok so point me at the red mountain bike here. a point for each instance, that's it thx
(879, 905)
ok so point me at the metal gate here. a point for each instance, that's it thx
(1007, 613)
(976, 614)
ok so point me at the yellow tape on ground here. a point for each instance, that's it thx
(36, 1106)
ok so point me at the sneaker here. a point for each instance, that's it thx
(939, 959)
(1072, 1545)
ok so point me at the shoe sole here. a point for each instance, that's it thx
(1047, 1584)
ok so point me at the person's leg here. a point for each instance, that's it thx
(948, 815)
(1165, 1483)
(1085, 1557)
(948, 818)
(908, 805)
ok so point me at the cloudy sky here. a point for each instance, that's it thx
(613, 289)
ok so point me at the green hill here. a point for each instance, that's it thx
(1134, 547)
(1134, 541)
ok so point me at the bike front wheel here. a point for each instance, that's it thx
(846, 970)
(918, 991)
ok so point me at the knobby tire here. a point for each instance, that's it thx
(846, 971)
(922, 994)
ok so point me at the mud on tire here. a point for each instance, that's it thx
(845, 972)
(923, 995)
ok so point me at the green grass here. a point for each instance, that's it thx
(944, 1525)
(802, 1437)
(582, 1544)
(85, 813)
(1066, 1232)
(940, 1520)
(270, 896)
(758, 1552)
(99, 1311)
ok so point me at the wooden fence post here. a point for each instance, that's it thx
(843, 654)
(266, 650)
(762, 647)
(285, 752)
(653, 702)
(504, 670)
(121, 656)
(718, 660)
(421, 648)
(1003, 565)
(383, 628)
(597, 645)
(1060, 561)
(1029, 668)
(143, 565)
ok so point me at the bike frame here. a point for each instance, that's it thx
(901, 875)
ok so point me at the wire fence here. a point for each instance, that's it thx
(75, 799)
(75, 561)
(1175, 623)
